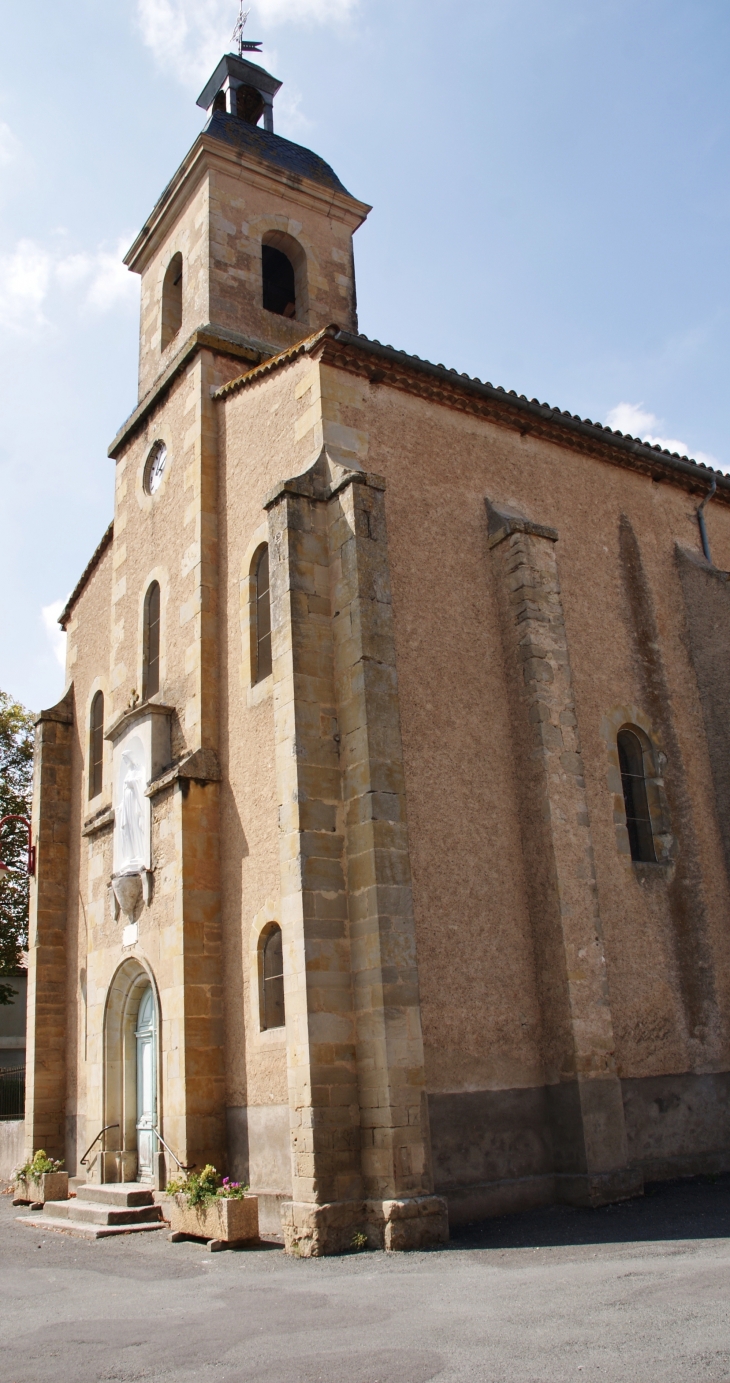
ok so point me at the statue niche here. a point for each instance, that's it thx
(132, 825)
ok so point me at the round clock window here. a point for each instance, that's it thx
(155, 468)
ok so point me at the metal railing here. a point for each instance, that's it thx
(154, 1129)
(12, 1092)
(99, 1135)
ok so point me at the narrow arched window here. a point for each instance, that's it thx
(172, 300)
(263, 617)
(151, 682)
(96, 745)
(272, 1004)
(633, 782)
(280, 294)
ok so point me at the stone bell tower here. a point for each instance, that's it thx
(252, 237)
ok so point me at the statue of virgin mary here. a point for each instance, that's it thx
(130, 816)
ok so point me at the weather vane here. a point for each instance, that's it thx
(237, 35)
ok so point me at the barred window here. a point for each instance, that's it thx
(633, 782)
(263, 617)
(273, 980)
(96, 745)
(151, 682)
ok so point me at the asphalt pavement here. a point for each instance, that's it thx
(639, 1291)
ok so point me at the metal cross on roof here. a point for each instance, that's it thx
(237, 35)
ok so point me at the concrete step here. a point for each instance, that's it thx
(81, 1230)
(123, 1193)
(92, 1212)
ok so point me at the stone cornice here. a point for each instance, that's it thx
(201, 766)
(62, 713)
(210, 153)
(502, 524)
(134, 713)
(209, 337)
(100, 821)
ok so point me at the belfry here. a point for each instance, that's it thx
(383, 840)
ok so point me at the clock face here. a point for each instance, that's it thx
(156, 467)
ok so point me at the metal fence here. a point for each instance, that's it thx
(12, 1092)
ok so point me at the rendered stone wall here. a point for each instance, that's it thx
(479, 974)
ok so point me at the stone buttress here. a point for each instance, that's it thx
(45, 1095)
(360, 1145)
(586, 1110)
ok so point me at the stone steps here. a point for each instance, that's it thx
(100, 1211)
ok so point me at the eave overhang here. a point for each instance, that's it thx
(398, 370)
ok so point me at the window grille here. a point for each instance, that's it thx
(633, 782)
(273, 980)
(96, 745)
(263, 617)
(152, 642)
(12, 1092)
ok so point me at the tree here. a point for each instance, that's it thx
(16, 781)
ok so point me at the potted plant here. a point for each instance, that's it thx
(40, 1180)
(207, 1206)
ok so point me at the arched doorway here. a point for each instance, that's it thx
(131, 1095)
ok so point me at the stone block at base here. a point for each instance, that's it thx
(416, 1222)
(229, 1221)
(52, 1186)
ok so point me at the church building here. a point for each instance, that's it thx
(383, 829)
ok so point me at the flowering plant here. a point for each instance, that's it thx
(231, 1190)
(40, 1165)
(201, 1188)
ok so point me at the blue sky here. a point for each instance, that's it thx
(551, 212)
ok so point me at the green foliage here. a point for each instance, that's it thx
(39, 1166)
(198, 1188)
(201, 1188)
(359, 1241)
(16, 777)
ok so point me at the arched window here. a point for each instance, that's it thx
(280, 294)
(172, 303)
(96, 745)
(151, 680)
(633, 782)
(262, 597)
(272, 980)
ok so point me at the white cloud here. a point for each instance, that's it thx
(322, 11)
(104, 277)
(189, 36)
(9, 145)
(30, 273)
(56, 636)
(635, 421)
(25, 275)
